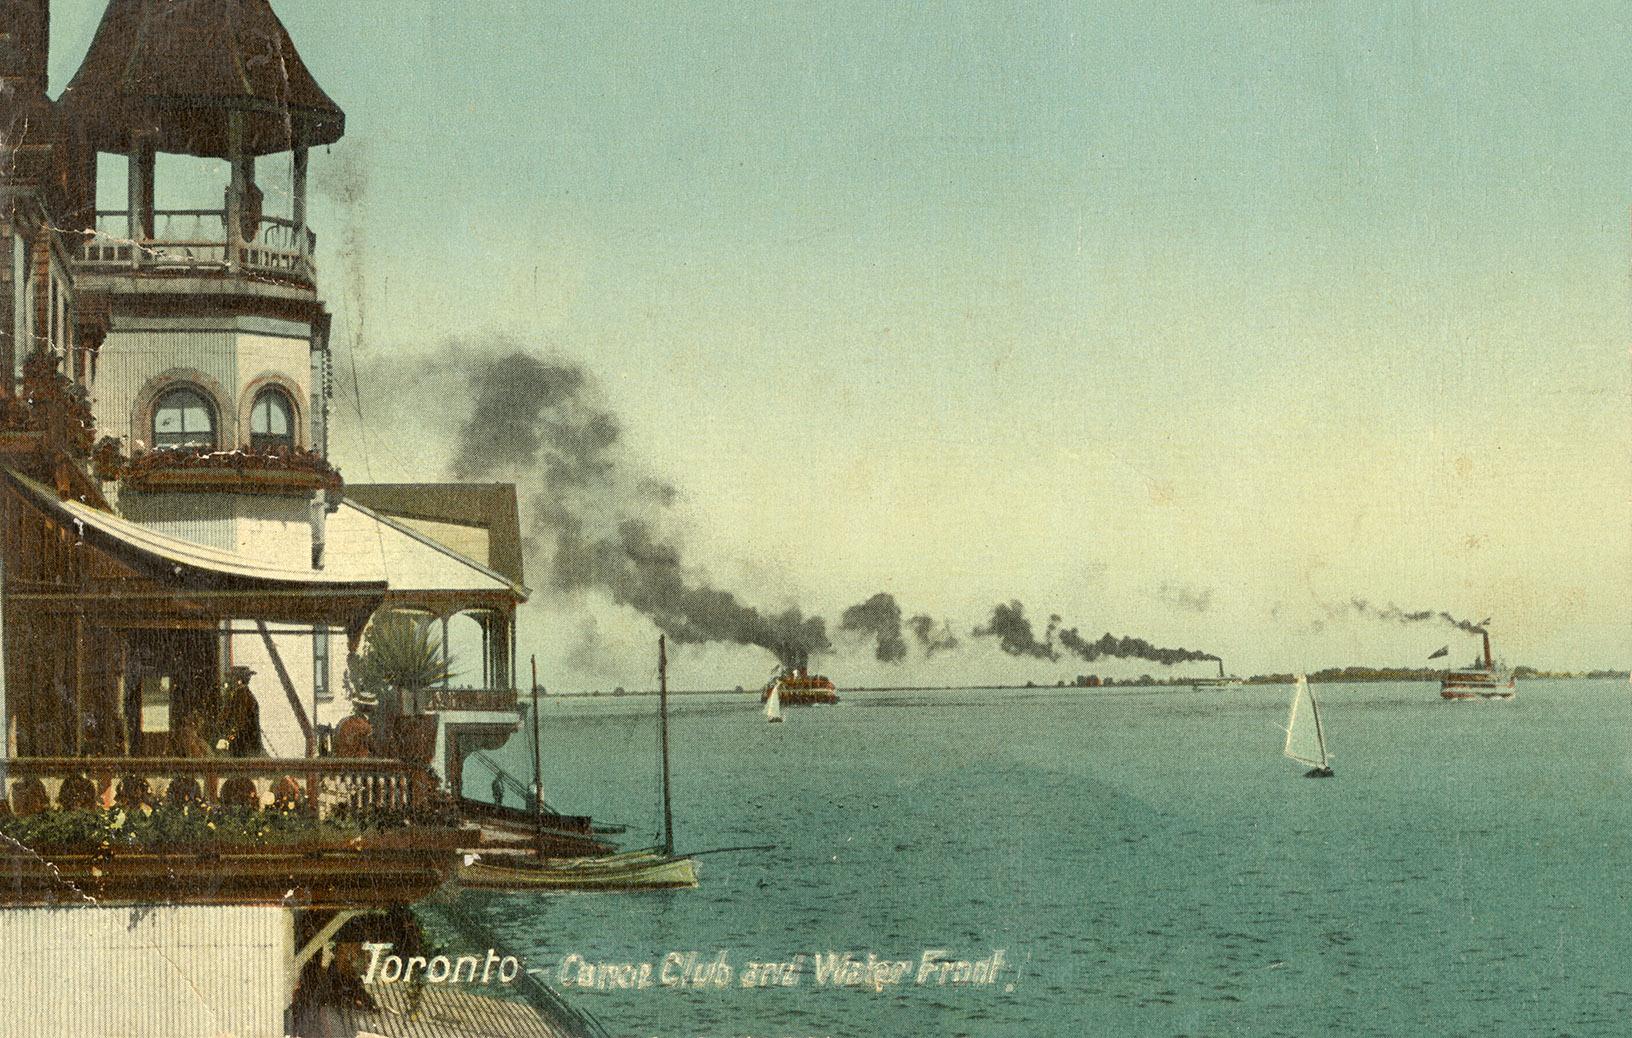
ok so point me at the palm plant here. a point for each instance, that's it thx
(399, 653)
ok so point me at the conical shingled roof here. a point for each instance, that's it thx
(176, 68)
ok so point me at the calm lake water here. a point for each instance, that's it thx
(1148, 862)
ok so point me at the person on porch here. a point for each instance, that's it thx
(243, 736)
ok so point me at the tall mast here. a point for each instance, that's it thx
(663, 732)
(1320, 735)
(538, 780)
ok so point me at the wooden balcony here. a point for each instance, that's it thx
(304, 832)
(196, 241)
(491, 700)
(277, 471)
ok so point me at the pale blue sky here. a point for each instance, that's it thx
(1056, 301)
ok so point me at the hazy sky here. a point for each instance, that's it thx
(1264, 304)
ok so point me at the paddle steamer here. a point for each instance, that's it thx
(1485, 682)
(798, 687)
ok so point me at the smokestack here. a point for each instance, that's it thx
(1488, 664)
(1220, 668)
(25, 44)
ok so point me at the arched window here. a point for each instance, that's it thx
(271, 420)
(183, 417)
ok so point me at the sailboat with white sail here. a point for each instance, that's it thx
(1305, 736)
(773, 704)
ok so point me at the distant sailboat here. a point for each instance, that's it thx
(1305, 738)
(773, 704)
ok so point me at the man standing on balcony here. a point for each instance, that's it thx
(243, 717)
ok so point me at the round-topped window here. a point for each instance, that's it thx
(271, 420)
(183, 417)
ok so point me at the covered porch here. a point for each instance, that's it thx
(103, 621)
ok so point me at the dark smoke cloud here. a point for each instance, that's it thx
(932, 638)
(1014, 635)
(600, 522)
(1397, 615)
(1128, 648)
(880, 618)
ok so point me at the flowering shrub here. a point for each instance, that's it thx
(148, 827)
(50, 402)
(241, 459)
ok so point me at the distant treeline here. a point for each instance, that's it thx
(1346, 675)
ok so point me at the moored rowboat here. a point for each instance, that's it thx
(632, 870)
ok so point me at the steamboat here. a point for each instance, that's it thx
(798, 687)
(1486, 682)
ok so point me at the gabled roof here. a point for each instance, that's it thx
(176, 68)
(490, 507)
(359, 543)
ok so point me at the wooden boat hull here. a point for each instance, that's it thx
(509, 828)
(635, 870)
(1477, 685)
(800, 689)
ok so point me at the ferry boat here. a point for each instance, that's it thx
(798, 687)
(1485, 682)
(1222, 681)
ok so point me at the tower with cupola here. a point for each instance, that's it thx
(193, 125)
(197, 122)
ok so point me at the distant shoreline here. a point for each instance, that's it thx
(1207, 683)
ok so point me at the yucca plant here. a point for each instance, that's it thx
(399, 653)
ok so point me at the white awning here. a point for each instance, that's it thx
(361, 544)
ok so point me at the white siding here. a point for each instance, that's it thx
(165, 972)
(275, 530)
(231, 353)
(469, 541)
(200, 518)
(129, 359)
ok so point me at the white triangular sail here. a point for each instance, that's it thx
(1305, 741)
(773, 705)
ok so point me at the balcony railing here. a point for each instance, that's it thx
(196, 240)
(249, 469)
(488, 699)
(320, 831)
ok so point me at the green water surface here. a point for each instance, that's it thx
(1147, 861)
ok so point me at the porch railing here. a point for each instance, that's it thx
(327, 785)
(196, 240)
(473, 699)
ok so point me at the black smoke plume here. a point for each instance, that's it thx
(1014, 635)
(880, 618)
(1397, 615)
(600, 522)
(1128, 648)
(932, 638)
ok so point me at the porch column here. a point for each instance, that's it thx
(79, 685)
(17, 346)
(446, 677)
(486, 620)
(235, 190)
(298, 189)
(510, 677)
(498, 632)
(133, 198)
(8, 738)
(145, 162)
